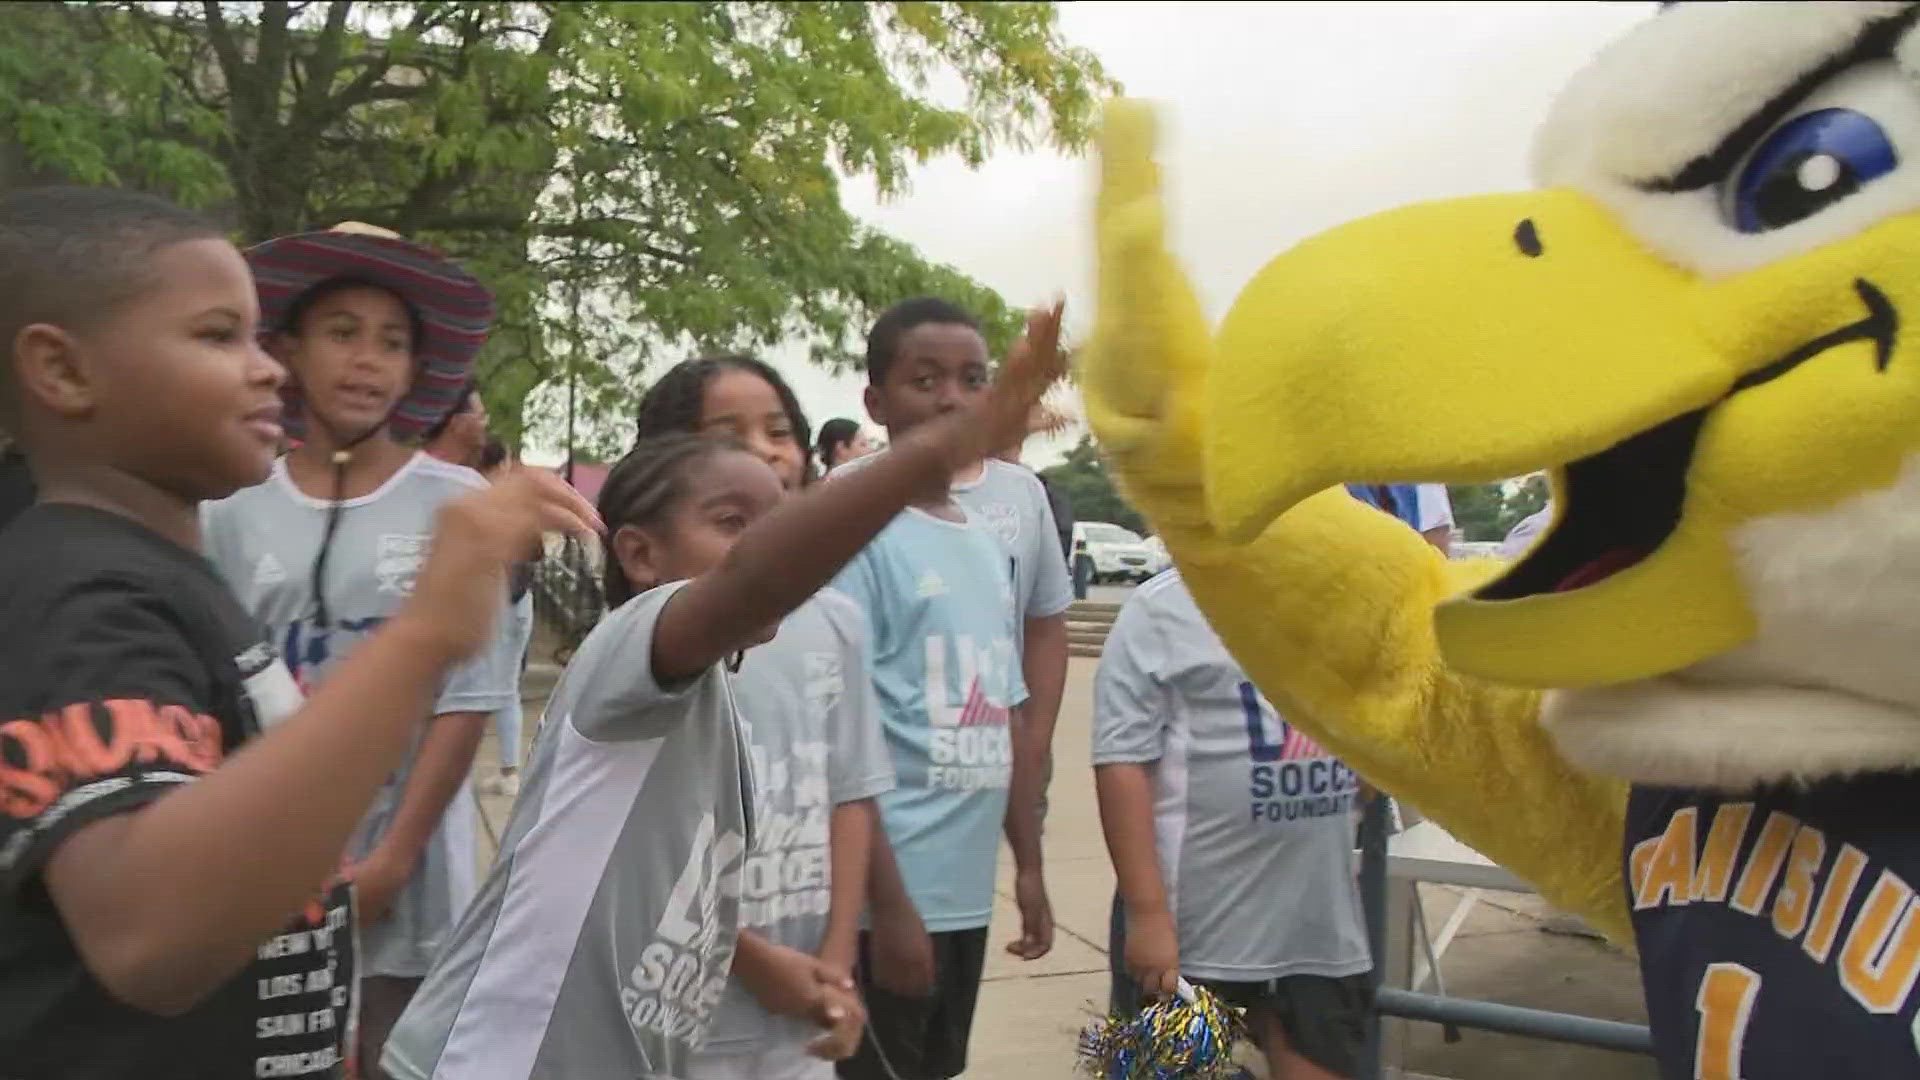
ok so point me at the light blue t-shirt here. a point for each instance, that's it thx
(939, 599)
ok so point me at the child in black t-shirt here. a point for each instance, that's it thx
(169, 807)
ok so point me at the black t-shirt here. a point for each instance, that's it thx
(1062, 507)
(130, 669)
(1778, 931)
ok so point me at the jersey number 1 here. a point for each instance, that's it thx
(1725, 1003)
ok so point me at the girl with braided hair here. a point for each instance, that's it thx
(815, 738)
(604, 942)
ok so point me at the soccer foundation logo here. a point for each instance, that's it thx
(969, 742)
(671, 992)
(1290, 778)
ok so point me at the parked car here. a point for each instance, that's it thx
(1118, 554)
(1157, 557)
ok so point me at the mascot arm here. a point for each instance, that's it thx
(1330, 610)
(1330, 613)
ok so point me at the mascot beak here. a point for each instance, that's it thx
(1464, 341)
(1483, 338)
(1478, 339)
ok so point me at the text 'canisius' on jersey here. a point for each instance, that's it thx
(1779, 931)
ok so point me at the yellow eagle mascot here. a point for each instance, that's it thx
(1691, 712)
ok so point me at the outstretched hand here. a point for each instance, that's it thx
(1142, 374)
(1011, 409)
(461, 588)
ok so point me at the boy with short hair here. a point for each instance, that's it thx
(969, 731)
(1231, 836)
(168, 803)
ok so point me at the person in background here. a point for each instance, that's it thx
(509, 721)
(1521, 536)
(1061, 507)
(173, 809)
(1435, 515)
(1425, 507)
(814, 736)
(460, 438)
(842, 440)
(1231, 836)
(379, 338)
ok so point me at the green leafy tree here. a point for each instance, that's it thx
(1490, 511)
(629, 177)
(1083, 475)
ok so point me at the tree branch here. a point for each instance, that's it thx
(224, 46)
(270, 60)
(326, 60)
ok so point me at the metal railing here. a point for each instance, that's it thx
(566, 595)
(1451, 1011)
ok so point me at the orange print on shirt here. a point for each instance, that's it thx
(42, 758)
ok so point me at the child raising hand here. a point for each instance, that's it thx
(604, 935)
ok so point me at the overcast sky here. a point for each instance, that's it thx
(1279, 120)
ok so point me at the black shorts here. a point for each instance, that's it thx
(1324, 1017)
(921, 1038)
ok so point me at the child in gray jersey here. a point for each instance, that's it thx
(814, 737)
(379, 338)
(1231, 835)
(603, 938)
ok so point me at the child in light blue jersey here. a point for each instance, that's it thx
(938, 588)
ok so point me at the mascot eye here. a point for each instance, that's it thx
(1806, 165)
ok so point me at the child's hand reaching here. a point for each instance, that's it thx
(1008, 413)
(462, 588)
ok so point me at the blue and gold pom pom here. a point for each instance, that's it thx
(1187, 1037)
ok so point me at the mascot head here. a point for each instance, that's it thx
(1705, 323)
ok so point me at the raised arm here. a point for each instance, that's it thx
(1330, 609)
(168, 900)
(788, 555)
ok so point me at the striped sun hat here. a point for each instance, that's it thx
(454, 309)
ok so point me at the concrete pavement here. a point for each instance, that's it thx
(1030, 1013)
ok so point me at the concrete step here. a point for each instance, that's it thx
(1074, 649)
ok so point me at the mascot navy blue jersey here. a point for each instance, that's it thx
(1778, 930)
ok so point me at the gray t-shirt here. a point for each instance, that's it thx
(816, 743)
(601, 940)
(1253, 822)
(263, 540)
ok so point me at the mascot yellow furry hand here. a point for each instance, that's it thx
(1691, 712)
